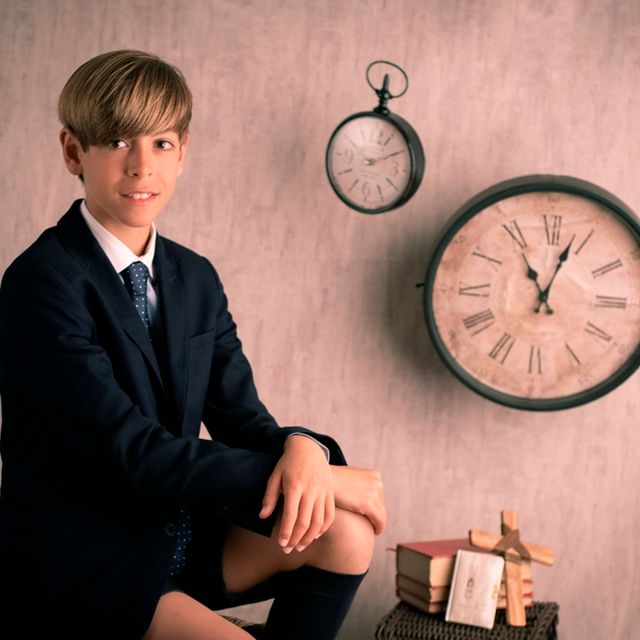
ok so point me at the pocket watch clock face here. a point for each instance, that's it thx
(533, 295)
(374, 162)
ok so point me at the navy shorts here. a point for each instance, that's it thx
(202, 577)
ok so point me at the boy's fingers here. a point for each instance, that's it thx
(310, 524)
(329, 512)
(378, 519)
(271, 495)
(289, 517)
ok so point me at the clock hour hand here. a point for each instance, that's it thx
(374, 160)
(532, 274)
(544, 295)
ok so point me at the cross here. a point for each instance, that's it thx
(514, 552)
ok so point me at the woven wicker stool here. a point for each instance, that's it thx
(252, 628)
(404, 622)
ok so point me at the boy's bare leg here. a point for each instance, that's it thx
(314, 587)
(250, 558)
(180, 617)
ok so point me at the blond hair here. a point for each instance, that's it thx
(123, 94)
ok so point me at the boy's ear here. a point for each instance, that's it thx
(71, 149)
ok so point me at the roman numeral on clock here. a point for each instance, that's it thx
(572, 354)
(596, 273)
(477, 290)
(597, 332)
(494, 262)
(502, 348)
(535, 360)
(611, 302)
(552, 224)
(513, 230)
(479, 321)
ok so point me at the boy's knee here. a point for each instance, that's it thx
(347, 547)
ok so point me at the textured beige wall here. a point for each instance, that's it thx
(325, 298)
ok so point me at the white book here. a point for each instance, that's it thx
(475, 587)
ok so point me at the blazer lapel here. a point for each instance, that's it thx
(80, 243)
(173, 309)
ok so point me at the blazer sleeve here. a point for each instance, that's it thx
(233, 412)
(63, 405)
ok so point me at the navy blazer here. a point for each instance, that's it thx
(100, 432)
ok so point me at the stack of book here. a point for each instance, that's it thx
(425, 571)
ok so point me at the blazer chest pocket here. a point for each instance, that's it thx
(202, 338)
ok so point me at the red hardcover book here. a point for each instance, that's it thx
(429, 562)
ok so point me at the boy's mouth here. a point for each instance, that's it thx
(139, 195)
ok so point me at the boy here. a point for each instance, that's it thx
(116, 521)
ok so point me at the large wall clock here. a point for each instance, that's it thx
(532, 297)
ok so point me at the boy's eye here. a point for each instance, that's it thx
(117, 144)
(164, 144)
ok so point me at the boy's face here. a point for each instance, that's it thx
(128, 181)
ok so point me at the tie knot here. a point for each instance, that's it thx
(135, 278)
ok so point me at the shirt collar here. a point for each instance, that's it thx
(120, 256)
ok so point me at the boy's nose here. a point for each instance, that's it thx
(140, 163)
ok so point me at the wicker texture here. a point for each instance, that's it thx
(404, 622)
(252, 628)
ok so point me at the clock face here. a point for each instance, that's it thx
(534, 298)
(373, 165)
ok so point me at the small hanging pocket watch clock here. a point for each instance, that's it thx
(374, 159)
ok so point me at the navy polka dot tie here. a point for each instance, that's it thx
(183, 537)
(135, 278)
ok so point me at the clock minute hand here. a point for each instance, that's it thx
(561, 258)
(532, 274)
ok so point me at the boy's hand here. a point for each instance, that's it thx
(304, 477)
(361, 490)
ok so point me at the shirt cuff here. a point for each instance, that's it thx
(306, 435)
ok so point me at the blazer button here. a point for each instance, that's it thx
(170, 529)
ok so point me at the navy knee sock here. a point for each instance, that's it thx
(310, 604)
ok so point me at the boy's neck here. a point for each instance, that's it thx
(134, 238)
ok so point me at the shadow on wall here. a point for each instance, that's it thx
(402, 319)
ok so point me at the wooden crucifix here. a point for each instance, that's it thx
(514, 551)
